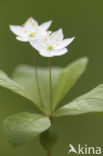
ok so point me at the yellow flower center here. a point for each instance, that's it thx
(32, 35)
(50, 48)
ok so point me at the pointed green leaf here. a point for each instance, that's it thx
(23, 127)
(68, 78)
(15, 87)
(89, 102)
(25, 76)
(8, 83)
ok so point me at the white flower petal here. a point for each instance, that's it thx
(22, 39)
(30, 23)
(61, 52)
(41, 33)
(64, 43)
(42, 51)
(46, 53)
(57, 35)
(36, 45)
(46, 25)
(18, 30)
(49, 32)
(60, 33)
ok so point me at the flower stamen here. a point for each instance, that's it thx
(30, 20)
(23, 25)
(33, 24)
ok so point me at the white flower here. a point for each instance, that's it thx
(30, 30)
(52, 44)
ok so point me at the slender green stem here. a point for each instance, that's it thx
(50, 75)
(49, 153)
(37, 79)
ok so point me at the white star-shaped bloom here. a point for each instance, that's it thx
(30, 30)
(52, 44)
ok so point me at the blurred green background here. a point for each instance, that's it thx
(80, 18)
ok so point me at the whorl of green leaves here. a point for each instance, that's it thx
(22, 127)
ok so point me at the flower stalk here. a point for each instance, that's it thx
(50, 77)
(37, 79)
(49, 153)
